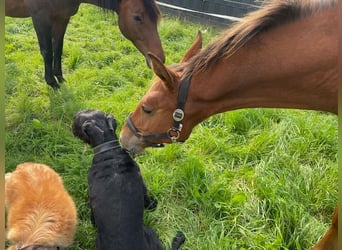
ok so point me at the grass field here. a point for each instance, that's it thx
(248, 179)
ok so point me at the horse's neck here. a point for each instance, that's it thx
(105, 4)
(294, 66)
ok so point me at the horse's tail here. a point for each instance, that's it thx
(177, 241)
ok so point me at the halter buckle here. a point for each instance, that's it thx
(178, 115)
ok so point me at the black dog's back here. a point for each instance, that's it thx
(116, 194)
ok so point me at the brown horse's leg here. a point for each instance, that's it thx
(43, 30)
(330, 239)
(58, 30)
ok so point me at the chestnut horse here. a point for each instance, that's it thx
(281, 56)
(137, 22)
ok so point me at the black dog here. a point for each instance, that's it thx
(117, 192)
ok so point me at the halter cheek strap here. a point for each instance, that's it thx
(173, 133)
(178, 114)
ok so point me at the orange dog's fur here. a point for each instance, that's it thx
(39, 209)
(330, 239)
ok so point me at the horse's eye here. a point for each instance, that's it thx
(146, 109)
(138, 19)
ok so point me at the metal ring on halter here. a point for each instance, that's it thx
(173, 137)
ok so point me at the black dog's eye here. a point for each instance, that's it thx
(146, 109)
(138, 19)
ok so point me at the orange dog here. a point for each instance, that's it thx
(330, 239)
(40, 212)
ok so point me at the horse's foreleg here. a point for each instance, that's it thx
(330, 239)
(43, 30)
(58, 30)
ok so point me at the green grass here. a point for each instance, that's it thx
(248, 179)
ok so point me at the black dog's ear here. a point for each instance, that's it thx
(84, 128)
(90, 130)
(111, 122)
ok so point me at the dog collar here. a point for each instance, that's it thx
(114, 144)
(34, 246)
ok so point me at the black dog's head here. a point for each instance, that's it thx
(94, 127)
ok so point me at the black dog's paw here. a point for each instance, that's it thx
(178, 240)
(150, 203)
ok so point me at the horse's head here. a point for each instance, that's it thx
(138, 21)
(155, 120)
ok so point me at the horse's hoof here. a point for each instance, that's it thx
(60, 78)
(52, 82)
(54, 85)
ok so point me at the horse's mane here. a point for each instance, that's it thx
(273, 14)
(106, 5)
(153, 10)
(150, 5)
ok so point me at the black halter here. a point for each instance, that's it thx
(173, 133)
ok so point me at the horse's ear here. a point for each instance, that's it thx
(161, 71)
(195, 47)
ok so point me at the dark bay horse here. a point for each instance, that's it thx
(138, 21)
(281, 56)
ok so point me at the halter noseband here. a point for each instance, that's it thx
(173, 133)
